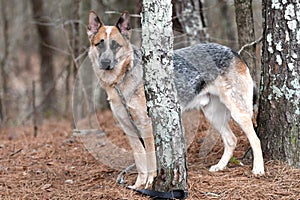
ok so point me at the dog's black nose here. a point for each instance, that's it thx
(105, 63)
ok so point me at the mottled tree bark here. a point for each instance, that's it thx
(85, 7)
(227, 24)
(75, 36)
(4, 88)
(163, 108)
(192, 19)
(47, 73)
(279, 115)
(246, 34)
(78, 37)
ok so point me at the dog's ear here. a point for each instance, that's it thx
(123, 24)
(94, 24)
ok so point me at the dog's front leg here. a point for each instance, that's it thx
(143, 123)
(139, 152)
(140, 159)
(151, 157)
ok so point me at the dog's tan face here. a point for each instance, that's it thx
(110, 50)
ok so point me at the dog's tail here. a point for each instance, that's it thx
(255, 104)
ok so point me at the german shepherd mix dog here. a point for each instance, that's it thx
(208, 76)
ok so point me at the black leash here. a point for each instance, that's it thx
(123, 100)
(174, 194)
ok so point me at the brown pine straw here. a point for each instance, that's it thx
(56, 165)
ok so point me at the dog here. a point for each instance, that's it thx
(209, 76)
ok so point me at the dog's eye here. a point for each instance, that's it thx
(114, 44)
(100, 44)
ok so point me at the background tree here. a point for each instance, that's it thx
(246, 34)
(279, 115)
(76, 36)
(3, 83)
(228, 24)
(47, 73)
(192, 19)
(163, 108)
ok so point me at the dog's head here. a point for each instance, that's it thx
(110, 50)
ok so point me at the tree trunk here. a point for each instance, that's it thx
(88, 78)
(4, 89)
(246, 34)
(1, 112)
(192, 19)
(85, 7)
(76, 38)
(227, 23)
(163, 108)
(47, 73)
(279, 114)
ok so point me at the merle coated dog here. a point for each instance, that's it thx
(210, 77)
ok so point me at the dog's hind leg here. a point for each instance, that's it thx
(245, 122)
(218, 116)
(236, 92)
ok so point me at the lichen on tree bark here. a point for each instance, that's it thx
(279, 106)
(163, 108)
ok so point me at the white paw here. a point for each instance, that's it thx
(258, 171)
(216, 168)
(131, 187)
(150, 179)
(140, 180)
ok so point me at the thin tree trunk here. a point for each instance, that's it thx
(75, 30)
(47, 73)
(246, 34)
(163, 108)
(85, 7)
(75, 43)
(279, 113)
(1, 112)
(228, 28)
(191, 16)
(4, 94)
(34, 118)
(87, 75)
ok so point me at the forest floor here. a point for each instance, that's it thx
(58, 165)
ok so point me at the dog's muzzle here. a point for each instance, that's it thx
(106, 64)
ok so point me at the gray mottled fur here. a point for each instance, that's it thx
(198, 65)
(195, 67)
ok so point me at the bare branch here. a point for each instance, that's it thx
(66, 52)
(58, 23)
(250, 44)
(118, 13)
(81, 55)
(56, 49)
